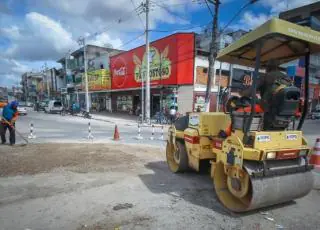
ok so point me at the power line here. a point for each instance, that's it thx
(182, 28)
(118, 21)
(131, 40)
(238, 13)
(166, 8)
(178, 4)
(209, 8)
(135, 8)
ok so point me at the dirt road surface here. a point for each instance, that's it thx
(96, 186)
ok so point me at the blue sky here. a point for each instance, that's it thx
(34, 32)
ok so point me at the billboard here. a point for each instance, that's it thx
(97, 80)
(171, 63)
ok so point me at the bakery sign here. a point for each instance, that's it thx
(160, 65)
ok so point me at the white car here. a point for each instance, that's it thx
(29, 104)
(53, 107)
(22, 110)
(315, 115)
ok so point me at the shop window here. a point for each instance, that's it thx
(199, 103)
(124, 103)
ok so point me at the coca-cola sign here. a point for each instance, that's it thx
(119, 73)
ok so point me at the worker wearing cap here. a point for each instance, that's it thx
(9, 117)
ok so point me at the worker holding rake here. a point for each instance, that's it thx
(9, 117)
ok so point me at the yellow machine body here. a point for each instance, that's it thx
(252, 167)
(232, 165)
(202, 141)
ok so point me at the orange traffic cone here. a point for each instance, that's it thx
(315, 157)
(116, 135)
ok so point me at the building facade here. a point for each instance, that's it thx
(308, 15)
(53, 83)
(178, 69)
(178, 75)
(98, 72)
(171, 72)
(32, 86)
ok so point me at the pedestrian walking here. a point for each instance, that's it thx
(9, 117)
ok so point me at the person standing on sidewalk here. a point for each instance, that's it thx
(9, 117)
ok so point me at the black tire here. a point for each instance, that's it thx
(183, 164)
(177, 159)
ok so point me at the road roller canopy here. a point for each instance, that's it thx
(281, 40)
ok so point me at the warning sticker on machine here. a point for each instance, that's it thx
(194, 119)
(292, 137)
(263, 138)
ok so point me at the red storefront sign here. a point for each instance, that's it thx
(171, 63)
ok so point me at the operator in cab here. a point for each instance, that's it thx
(272, 85)
(9, 117)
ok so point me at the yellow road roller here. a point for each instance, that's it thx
(263, 160)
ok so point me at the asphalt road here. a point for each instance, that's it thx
(108, 186)
(56, 128)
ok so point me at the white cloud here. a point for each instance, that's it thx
(19, 68)
(10, 71)
(49, 30)
(52, 27)
(105, 40)
(11, 32)
(43, 39)
(278, 6)
(250, 20)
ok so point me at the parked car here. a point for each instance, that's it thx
(22, 103)
(22, 110)
(29, 104)
(53, 106)
(42, 105)
(315, 115)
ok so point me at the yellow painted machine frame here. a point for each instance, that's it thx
(239, 159)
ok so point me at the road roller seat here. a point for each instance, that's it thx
(240, 120)
(282, 107)
(182, 122)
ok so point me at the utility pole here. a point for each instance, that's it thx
(82, 41)
(66, 70)
(147, 109)
(213, 52)
(47, 79)
(219, 87)
(142, 98)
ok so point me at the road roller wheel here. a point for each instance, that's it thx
(247, 193)
(233, 193)
(177, 158)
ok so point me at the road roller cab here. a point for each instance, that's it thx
(262, 161)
